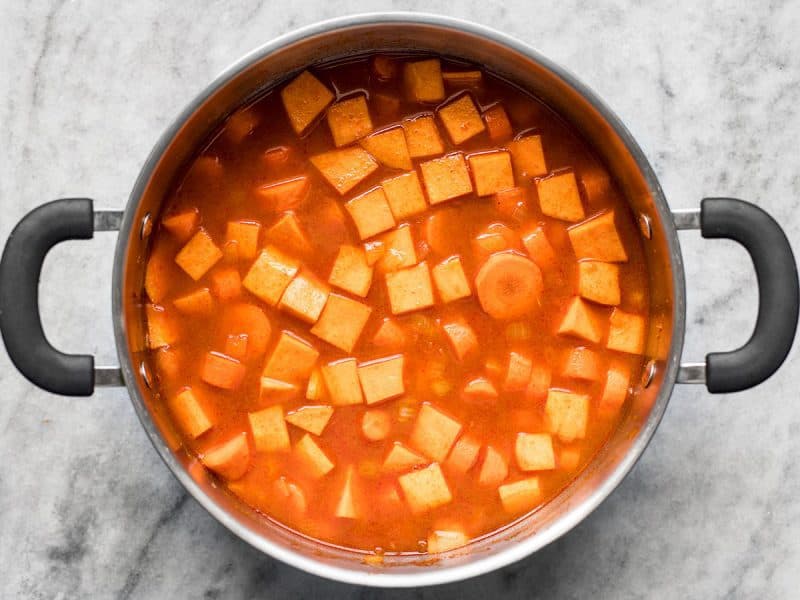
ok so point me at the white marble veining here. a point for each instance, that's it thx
(712, 92)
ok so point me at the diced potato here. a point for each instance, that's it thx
(520, 496)
(487, 243)
(450, 279)
(626, 332)
(222, 371)
(491, 172)
(276, 390)
(341, 381)
(198, 255)
(461, 119)
(559, 196)
(305, 297)
(159, 273)
(539, 383)
(349, 120)
(374, 250)
(182, 224)
(596, 183)
(390, 335)
(494, 468)
(422, 137)
(446, 178)
(539, 248)
(161, 329)
(245, 234)
(534, 452)
(240, 124)
(346, 506)
(226, 283)
(382, 379)
(287, 234)
(269, 430)
(581, 321)
(518, 373)
(405, 195)
(284, 195)
(599, 282)
(350, 271)
(313, 419)
(410, 289)
(386, 105)
(464, 454)
(462, 78)
(527, 156)
(270, 274)
(567, 414)
(312, 457)
(582, 363)
(401, 459)
(345, 168)
(376, 425)
(462, 338)
(371, 213)
(342, 321)
(425, 489)
(615, 391)
(189, 414)
(230, 459)
(442, 540)
(398, 250)
(434, 433)
(423, 80)
(199, 303)
(305, 99)
(291, 493)
(389, 148)
(292, 359)
(598, 239)
(479, 388)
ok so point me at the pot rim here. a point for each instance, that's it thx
(494, 560)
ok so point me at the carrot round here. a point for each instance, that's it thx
(249, 319)
(508, 285)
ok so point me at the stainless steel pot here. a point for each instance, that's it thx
(273, 63)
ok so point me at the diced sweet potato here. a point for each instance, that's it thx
(245, 234)
(182, 224)
(341, 381)
(270, 274)
(567, 414)
(401, 459)
(342, 321)
(464, 454)
(581, 321)
(559, 196)
(527, 157)
(497, 124)
(520, 496)
(461, 119)
(222, 371)
(569, 458)
(539, 383)
(390, 335)
(513, 203)
(480, 389)
(487, 243)
(292, 359)
(389, 148)
(462, 337)
(371, 213)
(350, 270)
(425, 489)
(446, 178)
(313, 419)
(189, 414)
(230, 459)
(198, 255)
(345, 168)
(288, 235)
(598, 239)
(315, 390)
(494, 468)
(305, 297)
(305, 99)
(376, 425)
(442, 540)
(615, 391)
(399, 250)
(230, 253)
(384, 68)
(518, 374)
(269, 430)
(251, 320)
(422, 137)
(423, 80)
(284, 195)
(410, 289)
(596, 182)
(539, 248)
(159, 273)
(599, 282)
(625, 332)
(276, 390)
(582, 363)
(534, 452)
(349, 120)
(374, 250)
(226, 283)
(404, 194)
(434, 433)
(161, 329)
(346, 507)
(206, 168)
(491, 172)
(450, 279)
(314, 460)
(199, 303)
(236, 346)
(462, 79)
(382, 379)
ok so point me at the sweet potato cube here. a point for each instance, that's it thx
(341, 381)
(292, 359)
(461, 119)
(189, 414)
(305, 99)
(198, 255)
(446, 178)
(464, 454)
(161, 330)
(226, 283)
(159, 273)
(518, 373)
(288, 491)
(539, 248)
(230, 459)
(269, 430)
(567, 414)
(425, 489)
(245, 234)
(284, 195)
(315, 390)
(513, 203)
(350, 271)
(399, 250)
(569, 458)
(434, 433)
(539, 383)
(384, 67)
(583, 363)
(479, 388)
(442, 540)
(382, 379)
(342, 321)
(423, 80)
(390, 335)
(497, 124)
(401, 458)
(450, 279)
(598, 239)
(374, 251)
(371, 213)
(534, 452)
(625, 332)
(527, 157)
(275, 390)
(596, 183)
(404, 194)
(491, 172)
(199, 303)
(410, 289)
(462, 337)
(462, 78)
(615, 391)
(559, 196)
(346, 506)
(422, 137)
(345, 168)
(599, 282)
(389, 148)
(520, 496)
(305, 297)
(581, 322)
(487, 243)
(494, 468)
(240, 124)
(287, 234)
(313, 419)
(222, 371)
(314, 460)
(270, 274)
(236, 345)
(182, 224)
(349, 120)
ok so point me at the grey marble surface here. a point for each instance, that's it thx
(712, 92)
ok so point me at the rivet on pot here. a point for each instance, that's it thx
(645, 226)
(147, 226)
(648, 373)
(147, 377)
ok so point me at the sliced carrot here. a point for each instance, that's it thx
(248, 319)
(229, 459)
(442, 229)
(182, 224)
(508, 285)
(284, 195)
(376, 424)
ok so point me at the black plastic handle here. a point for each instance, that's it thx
(778, 295)
(20, 323)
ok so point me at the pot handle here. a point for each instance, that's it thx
(779, 298)
(20, 322)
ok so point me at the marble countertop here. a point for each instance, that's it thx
(711, 91)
